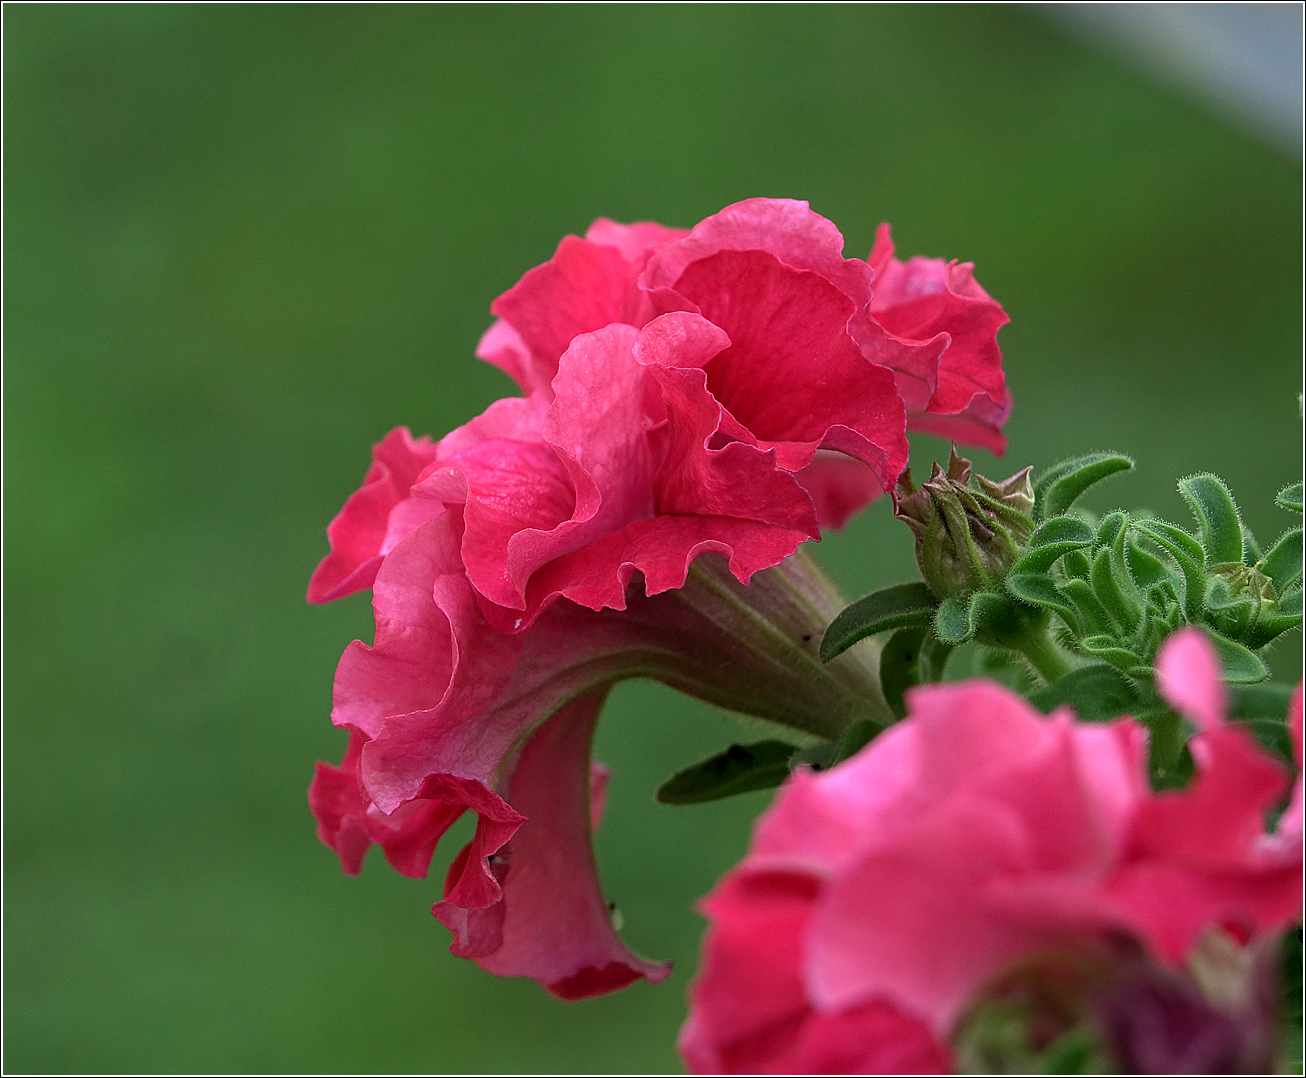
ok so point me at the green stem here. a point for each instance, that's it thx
(1167, 743)
(1044, 654)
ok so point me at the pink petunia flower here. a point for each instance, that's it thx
(698, 405)
(882, 901)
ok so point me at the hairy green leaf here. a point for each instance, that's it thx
(740, 769)
(1290, 497)
(1096, 693)
(1217, 516)
(889, 608)
(1058, 488)
(1283, 564)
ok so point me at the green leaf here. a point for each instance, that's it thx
(1217, 516)
(959, 619)
(1109, 649)
(1092, 617)
(1147, 570)
(1058, 536)
(1096, 693)
(1229, 613)
(857, 737)
(888, 608)
(900, 665)
(1283, 564)
(1270, 626)
(1110, 594)
(1242, 666)
(934, 659)
(1188, 555)
(1112, 526)
(1290, 497)
(1076, 564)
(1040, 591)
(952, 621)
(1267, 701)
(1059, 487)
(1251, 548)
(740, 769)
(1063, 530)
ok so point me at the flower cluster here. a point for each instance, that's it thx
(977, 854)
(695, 406)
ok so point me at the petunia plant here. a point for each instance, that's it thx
(696, 407)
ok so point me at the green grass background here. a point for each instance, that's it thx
(241, 243)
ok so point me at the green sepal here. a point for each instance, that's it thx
(911, 656)
(1283, 564)
(889, 608)
(1241, 665)
(740, 769)
(1217, 516)
(1188, 555)
(1290, 497)
(1108, 648)
(1058, 488)
(1038, 590)
(1096, 692)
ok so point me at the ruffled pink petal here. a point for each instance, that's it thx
(584, 287)
(501, 346)
(553, 924)
(661, 549)
(1188, 677)
(635, 241)
(979, 425)
(586, 470)
(839, 486)
(792, 376)
(349, 823)
(358, 533)
(705, 470)
(921, 303)
(784, 227)
(339, 807)
(513, 492)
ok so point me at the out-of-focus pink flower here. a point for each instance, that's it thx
(972, 836)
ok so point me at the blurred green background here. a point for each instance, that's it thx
(244, 242)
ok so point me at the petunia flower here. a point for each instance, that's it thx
(698, 405)
(891, 909)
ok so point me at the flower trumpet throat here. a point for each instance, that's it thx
(969, 530)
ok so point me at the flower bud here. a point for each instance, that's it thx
(968, 529)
